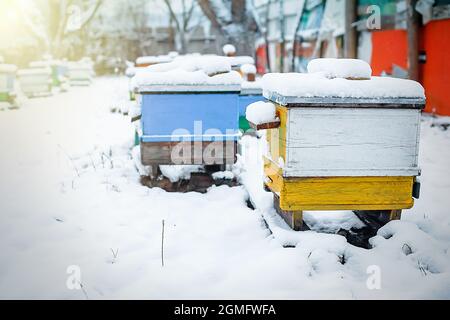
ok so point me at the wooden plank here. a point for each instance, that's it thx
(265, 126)
(347, 193)
(352, 142)
(293, 218)
(395, 215)
(202, 152)
(276, 138)
(274, 176)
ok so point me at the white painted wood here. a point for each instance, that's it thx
(398, 102)
(35, 84)
(352, 142)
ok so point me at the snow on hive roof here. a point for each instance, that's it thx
(182, 80)
(45, 63)
(196, 71)
(173, 54)
(130, 72)
(261, 112)
(229, 49)
(153, 59)
(34, 71)
(240, 60)
(316, 85)
(341, 68)
(80, 65)
(8, 68)
(251, 87)
(248, 68)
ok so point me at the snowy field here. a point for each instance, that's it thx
(70, 196)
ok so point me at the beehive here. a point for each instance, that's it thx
(80, 73)
(7, 80)
(58, 68)
(36, 81)
(198, 116)
(343, 144)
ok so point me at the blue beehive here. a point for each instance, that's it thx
(189, 117)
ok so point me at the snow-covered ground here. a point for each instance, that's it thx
(71, 200)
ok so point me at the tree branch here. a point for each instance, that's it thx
(189, 15)
(173, 15)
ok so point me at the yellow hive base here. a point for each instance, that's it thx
(339, 193)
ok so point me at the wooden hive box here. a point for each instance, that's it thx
(200, 118)
(35, 81)
(344, 153)
(80, 74)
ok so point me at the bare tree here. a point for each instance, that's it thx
(136, 18)
(181, 20)
(62, 17)
(282, 34)
(233, 19)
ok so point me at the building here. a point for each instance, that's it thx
(297, 31)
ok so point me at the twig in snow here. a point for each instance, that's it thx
(103, 161)
(422, 268)
(162, 244)
(115, 254)
(92, 162)
(84, 291)
(110, 160)
(71, 160)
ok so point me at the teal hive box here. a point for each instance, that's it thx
(7, 82)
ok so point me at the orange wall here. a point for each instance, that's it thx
(435, 73)
(389, 47)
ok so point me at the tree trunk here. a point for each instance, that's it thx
(239, 30)
(350, 40)
(413, 40)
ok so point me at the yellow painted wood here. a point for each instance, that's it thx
(274, 175)
(343, 193)
(276, 138)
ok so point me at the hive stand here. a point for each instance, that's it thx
(294, 219)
